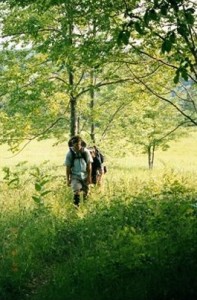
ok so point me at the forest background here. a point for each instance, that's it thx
(123, 75)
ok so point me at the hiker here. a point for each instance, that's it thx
(97, 166)
(78, 164)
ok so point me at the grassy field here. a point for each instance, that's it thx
(181, 156)
(134, 238)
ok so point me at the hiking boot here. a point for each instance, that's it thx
(76, 200)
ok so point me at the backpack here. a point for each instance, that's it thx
(99, 156)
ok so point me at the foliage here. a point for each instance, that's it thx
(153, 127)
(72, 40)
(40, 187)
(168, 26)
(48, 61)
(128, 241)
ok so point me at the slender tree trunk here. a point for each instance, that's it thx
(78, 125)
(73, 116)
(151, 156)
(92, 102)
(92, 97)
(73, 99)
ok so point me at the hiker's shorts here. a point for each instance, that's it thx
(79, 185)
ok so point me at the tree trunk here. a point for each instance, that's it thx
(92, 97)
(151, 156)
(73, 116)
(73, 99)
(78, 125)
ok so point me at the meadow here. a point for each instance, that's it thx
(134, 238)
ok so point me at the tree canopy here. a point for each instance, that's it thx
(59, 58)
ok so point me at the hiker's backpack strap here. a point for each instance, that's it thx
(74, 156)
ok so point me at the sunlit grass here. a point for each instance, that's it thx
(138, 222)
(181, 156)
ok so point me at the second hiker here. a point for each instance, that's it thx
(97, 165)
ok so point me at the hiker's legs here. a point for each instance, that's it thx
(76, 199)
(94, 177)
(76, 187)
(97, 177)
(100, 176)
(85, 188)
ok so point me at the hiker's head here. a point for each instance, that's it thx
(76, 141)
(92, 151)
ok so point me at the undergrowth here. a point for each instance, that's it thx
(134, 238)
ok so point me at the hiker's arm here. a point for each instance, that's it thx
(68, 175)
(89, 171)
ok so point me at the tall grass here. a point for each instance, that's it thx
(134, 238)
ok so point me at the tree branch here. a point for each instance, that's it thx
(171, 131)
(166, 100)
(36, 136)
(163, 62)
(112, 118)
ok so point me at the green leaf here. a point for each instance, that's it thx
(182, 29)
(119, 39)
(166, 46)
(125, 37)
(37, 199)
(43, 182)
(45, 192)
(138, 28)
(184, 74)
(164, 9)
(38, 187)
(176, 78)
(153, 15)
(190, 18)
(172, 37)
